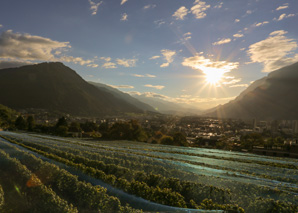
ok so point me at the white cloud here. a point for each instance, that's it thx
(238, 35)
(154, 86)
(144, 76)
(218, 6)
(199, 8)
(168, 57)
(274, 52)
(222, 41)
(29, 47)
(126, 62)
(239, 85)
(1, 25)
(249, 12)
(94, 6)
(181, 13)
(92, 65)
(285, 6)
(109, 65)
(261, 23)
(154, 57)
(284, 16)
(149, 6)
(159, 22)
(124, 17)
(208, 66)
(107, 59)
(237, 20)
(122, 86)
(76, 60)
(123, 1)
(232, 81)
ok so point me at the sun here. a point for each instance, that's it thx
(213, 77)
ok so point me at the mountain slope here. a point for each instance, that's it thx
(55, 87)
(272, 97)
(167, 107)
(123, 96)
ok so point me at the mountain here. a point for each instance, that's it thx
(123, 96)
(55, 87)
(274, 97)
(167, 107)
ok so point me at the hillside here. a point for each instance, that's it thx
(123, 96)
(55, 87)
(272, 97)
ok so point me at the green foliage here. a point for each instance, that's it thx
(167, 140)
(61, 122)
(1, 197)
(75, 127)
(39, 198)
(62, 131)
(20, 123)
(7, 116)
(30, 123)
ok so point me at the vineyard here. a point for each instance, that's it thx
(72, 175)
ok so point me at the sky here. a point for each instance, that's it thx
(195, 52)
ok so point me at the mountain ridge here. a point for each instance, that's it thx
(271, 98)
(54, 86)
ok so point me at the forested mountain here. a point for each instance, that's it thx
(55, 87)
(272, 97)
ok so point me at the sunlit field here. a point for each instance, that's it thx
(173, 176)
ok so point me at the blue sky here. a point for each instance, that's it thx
(201, 53)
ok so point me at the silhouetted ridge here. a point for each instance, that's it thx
(53, 86)
(272, 97)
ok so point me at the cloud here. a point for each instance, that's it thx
(218, 6)
(154, 86)
(149, 6)
(238, 35)
(1, 25)
(124, 17)
(239, 85)
(107, 59)
(285, 6)
(159, 22)
(123, 1)
(199, 8)
(144, 76)
(274, 52)
(181, 13)
(232, 81)
(208, 66)
(122, 86)
(28, 47)
(261, 23)
(284, 16)
(126, 62)
(248, 12)
(92, 65)
(222, 41)
(109, 65)
(168, 57)
(237, 20)
(94, 6)
(12, 63)
(154, 57)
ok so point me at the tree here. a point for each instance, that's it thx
(75, 127)
(167, 140)
(61, 122)
(30, 123)
(179, 139)
(20, 123)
